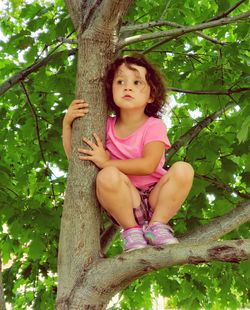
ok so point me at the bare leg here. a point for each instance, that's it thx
(171, 191)
(117, 195)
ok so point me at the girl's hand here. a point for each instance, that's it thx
(98, 155)
(77, 108)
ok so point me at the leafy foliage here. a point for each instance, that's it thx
(32, 158)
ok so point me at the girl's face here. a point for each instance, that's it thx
(131, 90)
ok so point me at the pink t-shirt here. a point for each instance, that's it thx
(132, 147)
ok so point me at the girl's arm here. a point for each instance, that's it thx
(144, 165)
(78, 108)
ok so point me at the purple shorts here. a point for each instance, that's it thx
(144, 212)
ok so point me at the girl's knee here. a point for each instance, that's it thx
(183, 172)
(108, 178)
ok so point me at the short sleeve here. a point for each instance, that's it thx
(108, 126)
(156, 131)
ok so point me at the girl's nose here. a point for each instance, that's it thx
(127, 87)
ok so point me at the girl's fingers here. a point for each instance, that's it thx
(88, 152)
(98, 140)
(84, 158)
(79, 106)
(90, 143)
(77, 101)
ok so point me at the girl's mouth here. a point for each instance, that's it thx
(127, 97)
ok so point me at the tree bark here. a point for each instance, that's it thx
(79, 245)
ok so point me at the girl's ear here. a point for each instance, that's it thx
(151, 99)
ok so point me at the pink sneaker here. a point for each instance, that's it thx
(159, 234)
(133, 239)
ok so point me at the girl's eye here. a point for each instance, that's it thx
(137, 82)
(120, 82)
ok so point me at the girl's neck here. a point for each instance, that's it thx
(132, 118)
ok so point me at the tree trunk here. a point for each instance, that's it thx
(79, 245)
(80, 234)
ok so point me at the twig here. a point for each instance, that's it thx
(21, 75)
(65, 40)
(209, 92)
(226, 13)
(195, 130)
(33, 112)
(222, 186)
(107, 237)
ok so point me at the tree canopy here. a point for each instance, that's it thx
(202, 49)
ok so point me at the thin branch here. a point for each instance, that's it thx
(21, 75)
(9, 189)
(209, 92)
(195, 130)
(226, 13)
(220, 226)
(57, 46)
(33, 112)
(200, 34)
(151, 48)
(65, 40)
(182, 30)
(222, 186)
(163, 15)
(108, 236)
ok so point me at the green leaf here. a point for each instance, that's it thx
(36, 247)
(244, 131)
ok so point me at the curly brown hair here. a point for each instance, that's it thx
(153, 77)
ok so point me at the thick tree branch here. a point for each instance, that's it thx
(220, 226)
(108, 276)
(21, 75)
(88, 11)
(75, 10)
(182, 30)
(109, 15)
(194, 131)
(222, 186)
(149, 25)
(209, 92)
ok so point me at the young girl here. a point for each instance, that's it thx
(132, 185)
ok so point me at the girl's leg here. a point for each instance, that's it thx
(117, 195)
(171, 191)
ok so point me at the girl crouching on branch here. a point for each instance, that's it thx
(132, 185)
